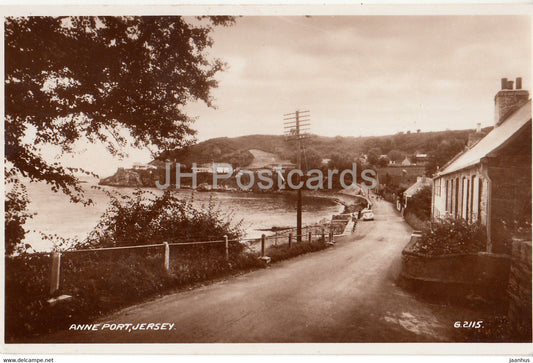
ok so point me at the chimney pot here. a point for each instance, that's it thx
(504, 83)
(510, 84)
(519, 83)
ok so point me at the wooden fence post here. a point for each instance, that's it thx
(227, 247)
(167, 256)
(276, 239)
(54, 275)
(310, 236)
(263, 237)
(331, 236)
(290, 240)
(323, 235)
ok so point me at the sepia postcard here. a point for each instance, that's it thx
(263, 179)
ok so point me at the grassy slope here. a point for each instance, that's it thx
(223, 149)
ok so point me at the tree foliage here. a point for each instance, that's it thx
(373, 155)
(117, 81)
(396, 155)
(383, 161)
(311, 160)
(341, 161)
(443, 153)
(16, 214)
(420, 203)
(397, 147)
(72, 78)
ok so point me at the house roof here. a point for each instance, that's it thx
(420, 183)
(491, 142)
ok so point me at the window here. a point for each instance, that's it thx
(473, 211)
(462, 210)
(456, 198)
(480, 197)
(466, 192)
(446, 206)
(474, 201)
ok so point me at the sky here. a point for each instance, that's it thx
(366, 75)
(357, 75)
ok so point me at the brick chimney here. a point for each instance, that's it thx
(474, 137)
(508, 100)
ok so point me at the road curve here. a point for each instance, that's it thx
(345, 293)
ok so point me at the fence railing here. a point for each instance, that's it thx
(165, 246)
(324, 233)
(289, 237)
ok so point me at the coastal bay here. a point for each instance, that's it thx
(258, 211)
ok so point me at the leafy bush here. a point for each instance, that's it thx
(420, 204)
(283, 252)
(415, 222)
(102, 281)
(26, 285)
(147, 218)
(505, 229)
(451, 236)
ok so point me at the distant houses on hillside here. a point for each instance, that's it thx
(400, 174)
(417, 159)
(211, 168)
(140, 166)
(261, 160)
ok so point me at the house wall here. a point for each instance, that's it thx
(465, 193)
(510, 172)
(462, 194)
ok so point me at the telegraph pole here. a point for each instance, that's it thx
(299, 191)
(296, 129)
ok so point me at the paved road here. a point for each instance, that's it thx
(345, 293)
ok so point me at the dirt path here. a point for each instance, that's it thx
(342, 294)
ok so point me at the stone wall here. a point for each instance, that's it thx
(458, 275)
(519, 289)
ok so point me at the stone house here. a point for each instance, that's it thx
(421, 183)
(141, 166)
(406, 162)
(490, 181)
(421, 159)
(209, 168)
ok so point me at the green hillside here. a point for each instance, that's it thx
(439, 145)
